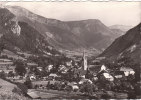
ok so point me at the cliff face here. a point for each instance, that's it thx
(20, 36)
(15, 28)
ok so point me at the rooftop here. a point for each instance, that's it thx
(32, 64)
(126, 69)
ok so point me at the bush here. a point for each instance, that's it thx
(28, 83)
(17, 90)
(22, 87)
(105, 96)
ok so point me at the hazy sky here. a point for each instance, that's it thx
(110, 13)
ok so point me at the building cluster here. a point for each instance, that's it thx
(77, 74)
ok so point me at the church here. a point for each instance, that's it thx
(84, 66)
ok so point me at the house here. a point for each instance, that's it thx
(73, 86)
(85, 80)
(97, 68)
(104, 74)
(32, 77)
(127, 71)
(103, 67)
(52, 76)
(69, 63)
(40, 68)
(95, 78)
(63, 69)
(30, 65)
(108, 76)
(49, 67)
(81, 73)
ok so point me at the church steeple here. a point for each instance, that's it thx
(84, 61)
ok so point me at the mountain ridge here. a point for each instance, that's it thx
(90, 30)
(123, 28)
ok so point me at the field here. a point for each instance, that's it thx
(53, 94)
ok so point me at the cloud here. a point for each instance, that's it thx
(110, 13)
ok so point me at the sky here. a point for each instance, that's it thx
(110, 13)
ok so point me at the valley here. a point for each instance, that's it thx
(46, 58)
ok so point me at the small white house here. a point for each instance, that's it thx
(103, 67)
(40, 68)
(74, 87)
(53, 76)
(49, 67)
(127, 71)
(95, 78)
(108, 76)
(32, 77)
(85, 80)
(69, 63)
(63, 69)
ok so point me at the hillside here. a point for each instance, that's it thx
(126, 45)
(68, 35)
(7, 91)
(18, 36)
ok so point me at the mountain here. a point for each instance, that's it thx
(126, 45)
(123, 28)
(18, 36)
(118, 32)
(68, 35)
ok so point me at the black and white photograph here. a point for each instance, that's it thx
(70, 50)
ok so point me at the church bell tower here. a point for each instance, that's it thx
(84, 61)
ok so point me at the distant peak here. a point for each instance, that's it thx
(92, 20)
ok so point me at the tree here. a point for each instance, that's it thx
(126, 61)
(2, 46)
(2, 75)
(28, 83)
(11, 74)
(89, 75)
(87, 88)
(137, 70)
(20, 68)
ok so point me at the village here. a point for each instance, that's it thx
(72, 79)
